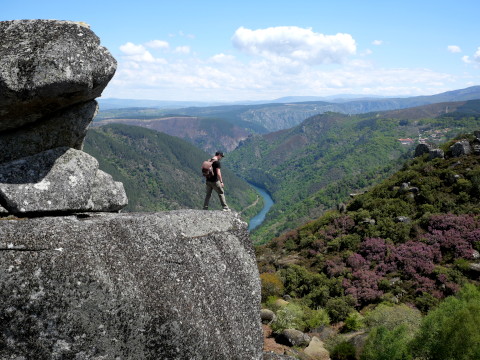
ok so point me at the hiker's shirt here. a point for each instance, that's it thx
(215, 165)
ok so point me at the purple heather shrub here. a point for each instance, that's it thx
(363, 286)
(451, 221)
(339, 226)
(375, 249)
(417, 257)
(335, 267)
(455, 234)
(384, 268)
(318, 245)
(426, 285)
(344, 224)
(357, 262)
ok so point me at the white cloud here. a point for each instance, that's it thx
(137, 53)
(294, 44)
(158, 44)
(222, 58)
(454, 48)
(377, 42)
(182, 49)
(475, 59)
(283, 66)
(132, 49)
(476, 56)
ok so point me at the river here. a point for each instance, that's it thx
(260, 217)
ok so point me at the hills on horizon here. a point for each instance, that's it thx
(118, 103)
(264, 118)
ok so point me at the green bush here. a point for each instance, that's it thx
(451, 331)
(384, 344)
(338, 308)
(300, 317)
(272, 285)
(392, 316)
(289, 317)
(343, 351)
(316, 318)
(353, 322)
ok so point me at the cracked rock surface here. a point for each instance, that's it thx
(172, 285)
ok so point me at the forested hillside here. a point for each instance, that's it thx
(161, 172)
(316, 165)
(205, 133)
(392, 253)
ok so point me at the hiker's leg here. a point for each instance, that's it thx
(221, 194)
(208, 194)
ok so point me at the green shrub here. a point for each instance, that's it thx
(384, 344)
(353, 322)
(316, 318)
(392, 316)
(338, 308)
(289, 317)
(451, 331)
(272, 285)
(343, 351)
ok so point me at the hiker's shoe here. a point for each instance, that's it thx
(226, 209)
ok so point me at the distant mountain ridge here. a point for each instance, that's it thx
(273, 116)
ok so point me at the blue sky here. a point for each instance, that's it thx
(259, 50)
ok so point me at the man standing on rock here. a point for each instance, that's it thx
(215, 182)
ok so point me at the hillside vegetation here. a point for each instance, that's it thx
(161, 172)
(205, 133)
(316, 165)
(404, 248)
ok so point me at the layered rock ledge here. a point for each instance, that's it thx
(173, 285)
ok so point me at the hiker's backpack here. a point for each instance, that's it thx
(207, 168)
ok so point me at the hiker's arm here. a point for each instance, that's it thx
(219, 176)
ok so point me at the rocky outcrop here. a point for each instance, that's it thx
(316, 349)
(422, 149)
(66, 128)
(460, 148)
(47, 66)
(171, 285)
(76, 280)
(267, 316)
(293, 337)
(50, 73)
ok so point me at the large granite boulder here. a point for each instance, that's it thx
(316, 349)
(460, 148)
(173, 285)
(58, 180)
(47, 66)
(67, 127)
(422, 149)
